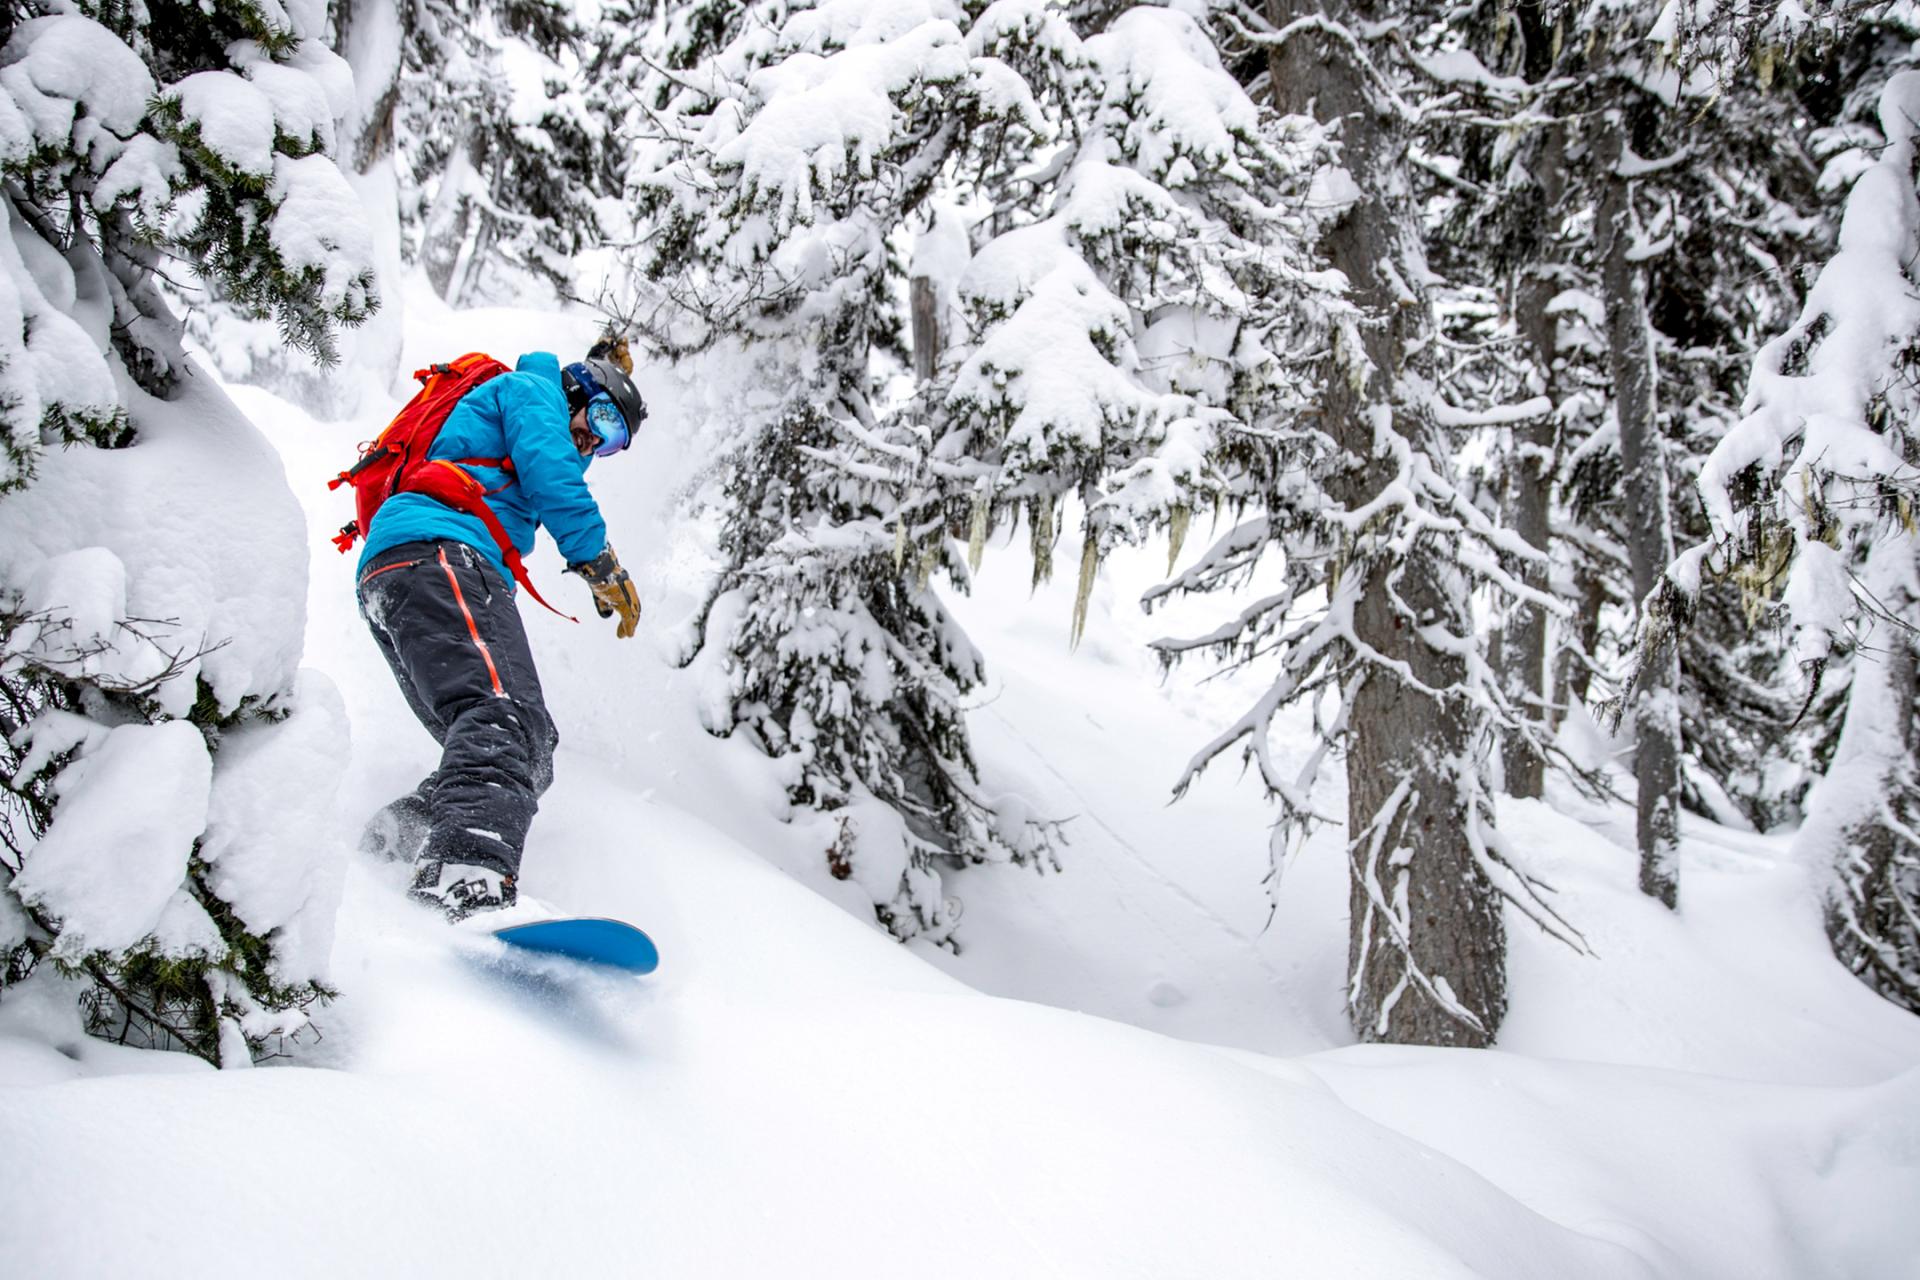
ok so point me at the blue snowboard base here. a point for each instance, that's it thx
(596, 941)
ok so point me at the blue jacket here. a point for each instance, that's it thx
(523, 416)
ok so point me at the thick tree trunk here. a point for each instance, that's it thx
(369, 34)
(1646, 508)
(1412, 867)
(1426, 941)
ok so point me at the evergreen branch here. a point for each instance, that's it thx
(99, 973)
(1342, 35)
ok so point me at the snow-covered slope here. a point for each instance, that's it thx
(1093, 1087)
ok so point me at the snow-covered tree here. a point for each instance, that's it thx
(1140, 331)
(468, 133)
(1101, 220)
(789, 158)
(1129, 332)
(1383, 546)
(1639, 290)
(1814, 489)
(503, 158)
(166, 766)
(1700, 178)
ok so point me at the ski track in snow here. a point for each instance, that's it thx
(1138, 859)
(792, 1093)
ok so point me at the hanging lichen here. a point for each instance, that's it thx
(977, 532)
(899, 543)
(1820, 522)
(1089, 568)
(923, 568)
(1177, 533)
(1040, 520)
(1351, 357)
(1759, 576)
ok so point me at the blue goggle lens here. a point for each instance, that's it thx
(605, 420)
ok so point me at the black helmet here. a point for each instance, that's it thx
(594, 377)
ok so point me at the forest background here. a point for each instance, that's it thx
(1528, 366)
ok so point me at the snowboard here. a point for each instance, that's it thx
(613, 943)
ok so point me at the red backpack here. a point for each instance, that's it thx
(397, 462)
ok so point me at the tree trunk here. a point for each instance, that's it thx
(478, 250)
(1863, 815)
(1574, 671)
(444, 237)
(1523, 644)
(1522, 653)
(1646, 516)
(1426, 941)
(369, 34)
(924, 303)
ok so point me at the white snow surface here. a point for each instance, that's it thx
(197, 513)
(52, 365)
(76, 81)
(130, 808)
(234, 116)
(318, 226)
(282, 777)
(1128, 1071)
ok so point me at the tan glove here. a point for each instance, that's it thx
(613, 590)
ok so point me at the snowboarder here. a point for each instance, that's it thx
(435, 591)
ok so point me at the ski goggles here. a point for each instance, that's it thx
(605, 420)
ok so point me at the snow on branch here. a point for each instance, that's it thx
(1827, 454)
(1340, 34)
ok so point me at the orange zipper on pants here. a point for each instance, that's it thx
(398, 564)
(472, 630)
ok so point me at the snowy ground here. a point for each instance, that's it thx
(1129, 1071)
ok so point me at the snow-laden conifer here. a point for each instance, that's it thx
(1136, 340)
(1382, 544)
(1139, 332)
(166, 766)
(503, 156)
(1116, 253)
(1814, 489)
(1718, 212)
(470, 136)
(786, 162)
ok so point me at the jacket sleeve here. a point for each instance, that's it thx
(551, 474)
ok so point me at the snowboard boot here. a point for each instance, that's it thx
(458, 890)
(397, 832)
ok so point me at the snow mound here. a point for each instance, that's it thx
(792, 1088)
(111, 865)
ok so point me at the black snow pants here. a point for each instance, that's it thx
(446, 621)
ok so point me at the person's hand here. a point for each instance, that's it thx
(613, 590)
